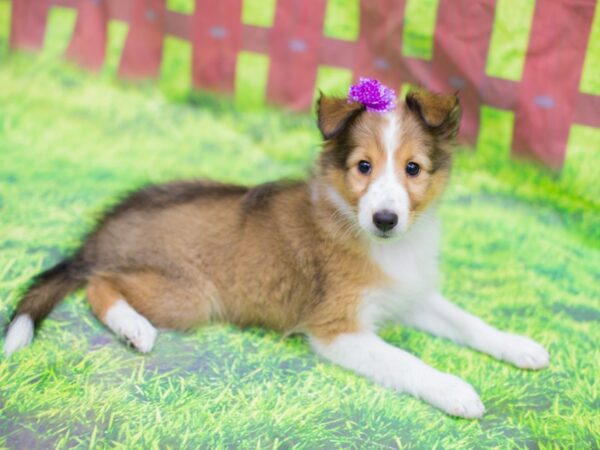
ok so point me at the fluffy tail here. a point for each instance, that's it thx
(46, 291)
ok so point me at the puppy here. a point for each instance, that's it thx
(333, 258)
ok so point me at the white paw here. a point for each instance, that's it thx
(141, 334)
(523, 352)
(131, 326)
(453, 396)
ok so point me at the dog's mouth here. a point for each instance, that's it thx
(384, 236)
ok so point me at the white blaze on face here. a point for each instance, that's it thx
(386, 192)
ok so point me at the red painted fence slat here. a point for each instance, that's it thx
(216, 36)
(549, 88)
(379, 46)
(65, 3)
(28, 24)
(120, 9)
(336, 52)
(462, 38)
(588, 110)
(178, 25)
(142, 53)
(294, 43)
(255, 39)
(88, 44)
(499, 93)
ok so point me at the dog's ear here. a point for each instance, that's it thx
(440, 113)
(335, 114)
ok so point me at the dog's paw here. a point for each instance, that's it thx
(131, 326)
(141, 334)
(523, 352)
(454, 396)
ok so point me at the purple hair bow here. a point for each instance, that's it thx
(375, 96)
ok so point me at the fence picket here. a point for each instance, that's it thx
(142, 53)
(462, 39)
(28, 24)
(379, 46)
(88, 44)
(294, 51)
(548, 91)
(216, 41)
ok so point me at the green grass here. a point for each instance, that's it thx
(259, 13)
(341, 19)
(590, 78)
(419, 27)
(510, 37)
(521, 249)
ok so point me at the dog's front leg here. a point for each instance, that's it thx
(440, 317)
(367, 354)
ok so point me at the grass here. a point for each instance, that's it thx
(521, 249)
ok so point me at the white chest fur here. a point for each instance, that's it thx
(411, 264)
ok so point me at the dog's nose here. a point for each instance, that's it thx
(385, 220)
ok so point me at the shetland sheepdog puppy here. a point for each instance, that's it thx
(334, 258)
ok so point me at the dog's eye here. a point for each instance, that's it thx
(412, 169)
(364, 167)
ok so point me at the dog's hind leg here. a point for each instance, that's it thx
(112, 309)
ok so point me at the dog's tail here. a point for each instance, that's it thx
(45, 292)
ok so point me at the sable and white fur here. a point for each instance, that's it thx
(334, 257)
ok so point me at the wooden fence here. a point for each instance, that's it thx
(546, 101)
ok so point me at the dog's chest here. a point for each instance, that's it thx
(410, 265)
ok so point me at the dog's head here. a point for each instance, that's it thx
(384, 169)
